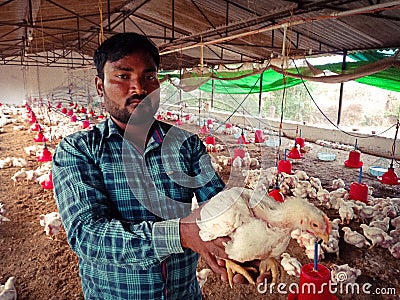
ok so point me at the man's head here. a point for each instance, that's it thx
(120, 45)
(127, 65)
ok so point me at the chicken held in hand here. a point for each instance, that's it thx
(258, 227)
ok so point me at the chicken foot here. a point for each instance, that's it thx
(232, 267)
(270, 264)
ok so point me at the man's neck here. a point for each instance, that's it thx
(139, 134)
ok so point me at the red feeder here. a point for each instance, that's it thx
(64, 110)
(354, 160)
(187, 117)
(46, 156)
(314, 284)
(241, 140)
(73, 118)
(100, 117)
(169, 114)
(300, 141)
(85, 124)
(160, 117)
(210, 122)
(178, 123)
(277, 195)
(35, 127)
(295, 154)
(359, 191)
(33, 119)
(59, 105)
(204, 129)
(210, 140)
(238, 152)
(48, 184)
(71, 104)
(40, 138)
(259, 138)
(285, 166)
(390, 177)
(83, 110)
(70, 113)
(91, 113)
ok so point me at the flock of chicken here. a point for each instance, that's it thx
(247, 209)
(54, 130)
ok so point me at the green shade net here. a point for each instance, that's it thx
(388, 79)
(246, 82)
(271, 81)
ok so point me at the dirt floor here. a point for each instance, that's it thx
(47, 268)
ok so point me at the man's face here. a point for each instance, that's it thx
(130, 88)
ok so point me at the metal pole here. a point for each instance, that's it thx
(212, 93)
(341, 89)
(259, 98)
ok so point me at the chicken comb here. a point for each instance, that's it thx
(328, 224)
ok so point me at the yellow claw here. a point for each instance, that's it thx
(232, 267)
(270, 264)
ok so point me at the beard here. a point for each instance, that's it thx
(137, 109)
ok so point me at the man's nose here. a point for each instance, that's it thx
(137, 86)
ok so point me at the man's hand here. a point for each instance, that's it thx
(189, 233)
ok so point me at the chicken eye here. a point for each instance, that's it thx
(315, 225)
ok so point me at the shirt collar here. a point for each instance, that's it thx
(156, 138)
(112, 128)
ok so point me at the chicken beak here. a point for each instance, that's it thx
(324, 237)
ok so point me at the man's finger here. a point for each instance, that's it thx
(212, 262)
(239, 279)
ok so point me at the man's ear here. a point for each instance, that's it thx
(99, 86)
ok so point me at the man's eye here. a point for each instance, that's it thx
(151, 76)
(122, 76)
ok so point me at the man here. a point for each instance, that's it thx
(124, 188)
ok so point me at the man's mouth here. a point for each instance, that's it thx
(135, 99)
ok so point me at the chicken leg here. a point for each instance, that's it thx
(232, 267)
(270, 264)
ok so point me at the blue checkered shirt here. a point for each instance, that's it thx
(120, 207)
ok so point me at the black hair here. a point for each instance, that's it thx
(121, 45)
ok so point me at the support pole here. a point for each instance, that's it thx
(173, 21)
(212, 93)
(341, 89)
(259, 98)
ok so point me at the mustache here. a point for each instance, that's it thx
(135, 97)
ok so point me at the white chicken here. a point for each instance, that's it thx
(290, 264)
(202, 276)
(2, 212)
(338, 183)
(258, 227)
(51, 223)
(249, 161)
(382, 224)
(8, 291)
(354, 238)
(19, 176)
(237, 163)
(345, 211)
(332, 246)
(344, 274)
(375, 235)
(395, 250)
(395, 222)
